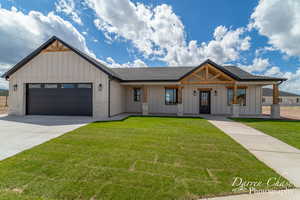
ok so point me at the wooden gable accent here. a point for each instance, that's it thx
(207, 74)
(56, 46)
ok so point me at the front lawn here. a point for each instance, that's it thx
(138, 158)
(286, 130)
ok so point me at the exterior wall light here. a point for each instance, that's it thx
(15, 87)
(100, 87)
(216, 93)
(194, 93)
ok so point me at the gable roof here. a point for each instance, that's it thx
(268, 92)
(91, 60)
(146, 73)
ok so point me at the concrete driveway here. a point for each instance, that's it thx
(20, 133)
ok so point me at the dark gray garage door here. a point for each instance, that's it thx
(59, 99)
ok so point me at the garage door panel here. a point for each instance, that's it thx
(59, 101)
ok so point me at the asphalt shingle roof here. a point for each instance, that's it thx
(176, 73)
(146, 74)
(152, 73)
(268, 92)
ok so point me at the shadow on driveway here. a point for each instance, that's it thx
(46, 120)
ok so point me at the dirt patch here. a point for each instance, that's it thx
(291, 112)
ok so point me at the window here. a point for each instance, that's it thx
(241, 96)
(35, 85)
(137, 94)
(171, 96)
(51, 85)
(263, 100)
(280, 100)
(68, 85)
(84, 85)
(298, 100)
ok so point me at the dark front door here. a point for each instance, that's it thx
(59, 99)
(204, 102)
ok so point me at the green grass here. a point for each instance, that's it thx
(138, 158)
(287, 131)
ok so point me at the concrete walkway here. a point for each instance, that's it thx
(281, 157)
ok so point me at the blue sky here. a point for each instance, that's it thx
(139, 33)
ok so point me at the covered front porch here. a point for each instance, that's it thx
(204, 91)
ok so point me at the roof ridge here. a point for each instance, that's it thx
(153, 67)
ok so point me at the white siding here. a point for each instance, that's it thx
(219, 102)
(58, 67)
(156, 99)
(131, 105)
(68, 67)
(117, 98)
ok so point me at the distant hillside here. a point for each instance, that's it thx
(3, 92)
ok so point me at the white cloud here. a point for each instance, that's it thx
(110, 62)
(260, 51)
(225, 47)
(68, 7)
(258, 65)
(158, 32)
(35, 28)
(293, 82)
(279, 21)
(274, 71)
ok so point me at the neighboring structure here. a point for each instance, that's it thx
(57, 79)
(3, 98)
(285, 98)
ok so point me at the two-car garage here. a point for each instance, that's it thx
(59, 99)
(57, 79)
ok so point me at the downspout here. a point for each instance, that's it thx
(109, 79)
(280, 83)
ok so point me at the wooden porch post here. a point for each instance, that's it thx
(145, 95)
(145, 108)
(179, 101)
(234, 94)
(179, 95)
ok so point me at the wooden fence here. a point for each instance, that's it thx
(3, 101)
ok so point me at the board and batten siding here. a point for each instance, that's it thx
(156, 100)
(117, 98)
(131, 105)
(58, 67)
(219, 104)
